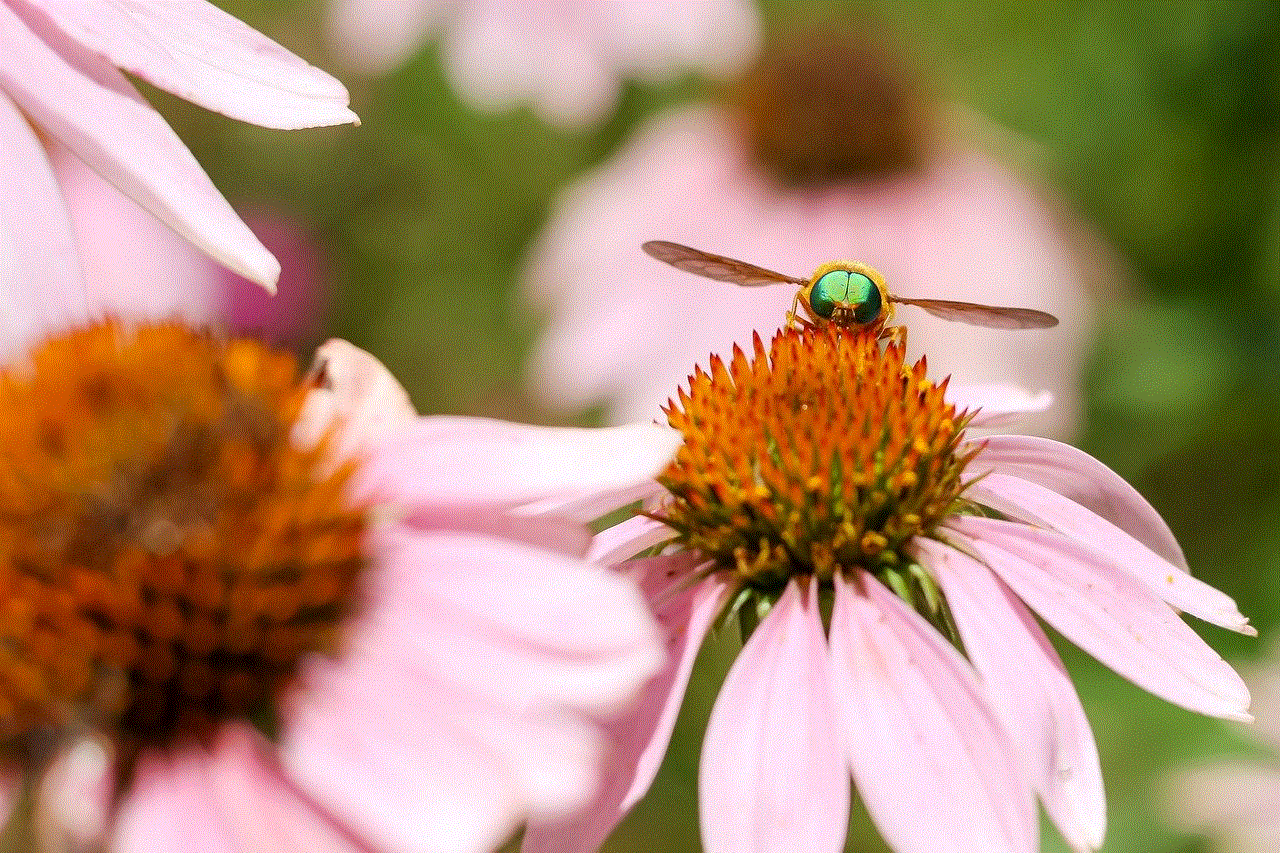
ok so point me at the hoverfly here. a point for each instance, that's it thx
(846, 293)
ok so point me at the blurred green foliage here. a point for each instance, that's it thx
(1159, 122)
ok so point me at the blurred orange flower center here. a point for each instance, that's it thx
(167, 554)
(825, 451)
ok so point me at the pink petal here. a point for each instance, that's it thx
(40, 284)
(639, 738)
(73, 801)
(356, 391)
(89, 106)
(772, 778)
(1034, 504)
(373, 38)
(1029, 689)
(171, 806)
(201, 54)
(1077, 475)
(464, 463)
(932, 764)
(1108, 614)
(997, 404)
(549, 630)
(626, 539)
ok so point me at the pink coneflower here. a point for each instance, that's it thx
(245, 609)
(60, 70)
(827, 491)
(1236, 802)
(567, 59)
(827, 151)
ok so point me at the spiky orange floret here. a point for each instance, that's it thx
(167, 554)
(825, 451)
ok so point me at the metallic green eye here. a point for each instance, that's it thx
(865, 298)
(829, 291)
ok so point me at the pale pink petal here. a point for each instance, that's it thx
(353, 390)
(639, 738)
(89, 106)
(554, 533)
(170, 806)
(198, 52)
(932, 764)
(772, 779)
(40, 284)
(375, 37)
(656, 40)
(475, 462)
(1235, 802)
(1077, 475)
(590, 505)
(1108, 614)
(1029, 689)
(73, 800)
(134, 265)
(626, 539)
(549, 630)
(993, 405)
(1035, 504)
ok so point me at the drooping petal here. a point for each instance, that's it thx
(170, 807)
(40, 283)
(356, 391)
(1077, 475)
(89, 105)
(997, 404)
(1029, 689)
(932, 763)
(626, 539)
(772, 779)
(198, 52)
(1034, 504)
(639, 738)
(1108, 614)
(466, 463)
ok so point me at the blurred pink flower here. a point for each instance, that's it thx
(476, 671)
(567, 58)
(60, 70)
(954, 225)
(1236, 803)
(948, 750)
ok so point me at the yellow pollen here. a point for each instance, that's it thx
(167, 554)
(823, 451)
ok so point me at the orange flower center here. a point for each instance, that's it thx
(824, 452)
(167, 554)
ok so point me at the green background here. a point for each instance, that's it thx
(1159, 122)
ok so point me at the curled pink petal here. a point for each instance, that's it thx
(474, 462)
(772, 778)
(1029, 689)
(39, 273)
(993, 405)
(201, 54)
(357, 393)
(934, 767)
(639, 738)
(1108, 614)
(92, 109)
(1035, 504)
(1077, 475)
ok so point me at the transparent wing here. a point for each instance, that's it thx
(715, 266)
(991, 316)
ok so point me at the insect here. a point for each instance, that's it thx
(846, 293)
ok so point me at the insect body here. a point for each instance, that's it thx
(843, 292)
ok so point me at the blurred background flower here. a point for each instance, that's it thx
(828, 149)
(566, 59)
